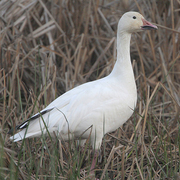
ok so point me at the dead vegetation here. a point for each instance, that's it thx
(49, 47)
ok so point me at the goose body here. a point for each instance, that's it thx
(94, 108)
(90, 107)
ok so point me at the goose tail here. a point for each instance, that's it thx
(36, 126)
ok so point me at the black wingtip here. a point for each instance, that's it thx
(26, 123)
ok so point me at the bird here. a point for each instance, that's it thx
(97, 107)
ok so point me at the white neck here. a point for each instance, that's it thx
(123, 69)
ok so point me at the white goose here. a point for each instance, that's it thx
(94, 108)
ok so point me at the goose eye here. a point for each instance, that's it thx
(134, 17)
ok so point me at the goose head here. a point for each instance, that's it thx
(134, 22)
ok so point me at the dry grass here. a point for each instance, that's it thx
(49, 47)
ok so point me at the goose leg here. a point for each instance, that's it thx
(94, 161)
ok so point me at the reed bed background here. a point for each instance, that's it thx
(49, 47)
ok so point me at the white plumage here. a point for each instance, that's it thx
(96, 107)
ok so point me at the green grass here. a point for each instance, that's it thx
(38, 64)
